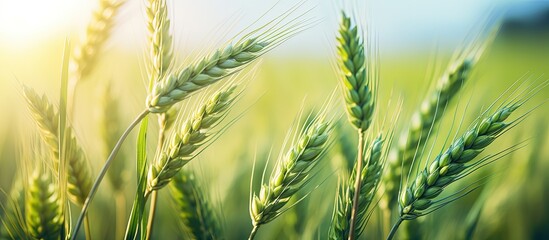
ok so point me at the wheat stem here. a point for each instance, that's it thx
(152, 208)
(394, 229)
(103, 171)
(357, 183)
(253, 232)
(152, 211)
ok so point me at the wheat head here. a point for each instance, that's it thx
(189, 137)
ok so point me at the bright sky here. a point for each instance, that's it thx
(399, 23)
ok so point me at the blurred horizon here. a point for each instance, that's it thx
(26, 25)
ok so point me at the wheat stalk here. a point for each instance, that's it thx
(194, 208)
(43, 208)
(291, 173)
(109, 127)
(358, 77)
(370, 178)
(186, 140)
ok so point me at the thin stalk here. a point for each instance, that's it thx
(254, 231)
(152, 212)
(357, 184)
(394, 229)
(87, 229)
(106, 166)
(152, 208)
(120, 205)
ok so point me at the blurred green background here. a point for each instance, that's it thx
(416, 41)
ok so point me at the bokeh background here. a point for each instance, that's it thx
(416, 39)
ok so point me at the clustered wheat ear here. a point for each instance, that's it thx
(370, 178)
(357, 82)
(194, 207)
(291, 172)
(186, 140)
(46, 118)
(79, 176)
(98, 31)
(452, 165)
(422, 122)
(43, 208)
(179, 85)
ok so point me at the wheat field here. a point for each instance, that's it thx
(302, 120)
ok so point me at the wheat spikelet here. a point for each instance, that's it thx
(189, 137)
(419, 198)
(357, 82)
(78, 172)
(97, 32)
(291, 172)
(194, 208)
(43, 208)
(370, 178)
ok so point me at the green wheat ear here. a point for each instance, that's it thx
(43, 208)
(186, 141)
(356, 78)
(194, 207)
(291, 173)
